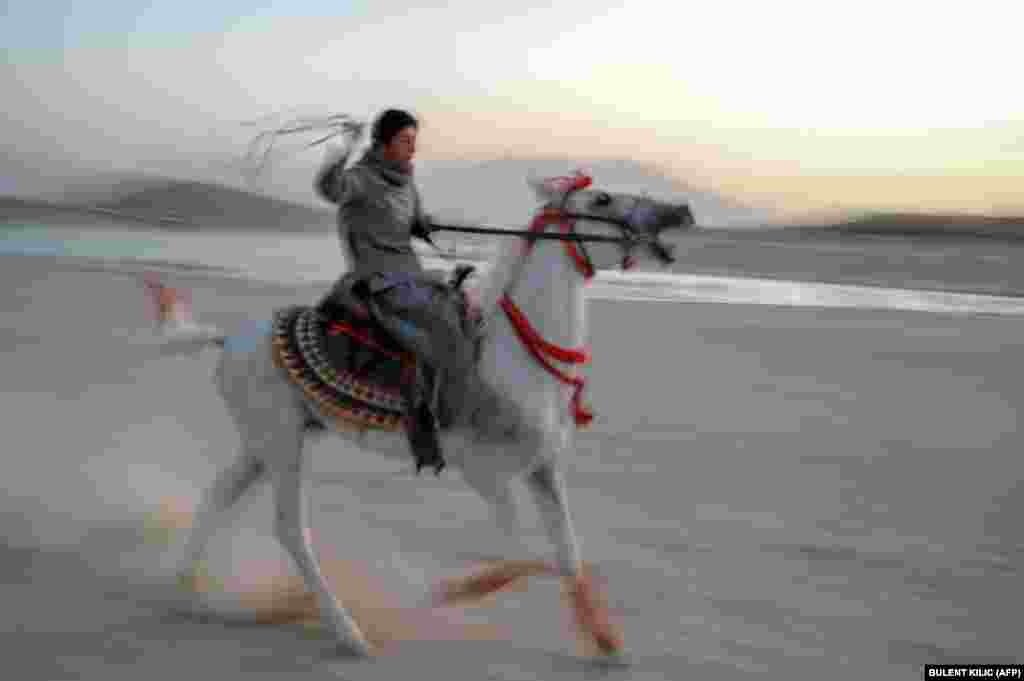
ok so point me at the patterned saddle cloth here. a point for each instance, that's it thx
(332, 360)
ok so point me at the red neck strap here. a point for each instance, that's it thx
(542, 350)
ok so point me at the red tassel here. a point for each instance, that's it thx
(581, 414)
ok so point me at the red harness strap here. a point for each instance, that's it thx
(335, 328)
(540, 348)
(407, 360)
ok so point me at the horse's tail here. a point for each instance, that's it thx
(175, 325)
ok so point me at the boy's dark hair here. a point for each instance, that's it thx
(389, 123)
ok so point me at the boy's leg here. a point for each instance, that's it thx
(431, 326)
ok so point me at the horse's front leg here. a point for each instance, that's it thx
(591, 613)
(548, 489)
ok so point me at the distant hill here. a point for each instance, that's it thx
(171, 203)
(933, 224)
(216, 206)
(13, 208)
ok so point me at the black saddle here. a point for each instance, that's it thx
(366, 344)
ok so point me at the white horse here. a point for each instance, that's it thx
(541, 279)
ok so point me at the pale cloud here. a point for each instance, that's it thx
(870, 65)
(750, 92)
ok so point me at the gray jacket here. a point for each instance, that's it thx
(378, 205)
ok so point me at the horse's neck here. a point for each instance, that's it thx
(548, 289)
(544, 282)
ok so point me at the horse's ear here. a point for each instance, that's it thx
(685, 215)
(549, 189)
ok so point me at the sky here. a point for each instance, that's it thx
(891, 104)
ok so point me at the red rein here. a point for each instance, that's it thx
(542, 350)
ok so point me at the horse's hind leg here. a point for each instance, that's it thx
(229, 486)
(291, 527)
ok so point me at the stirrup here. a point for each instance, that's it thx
(422, 432)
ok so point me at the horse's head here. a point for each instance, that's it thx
(640, 221)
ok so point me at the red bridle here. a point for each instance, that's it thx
(542, 350)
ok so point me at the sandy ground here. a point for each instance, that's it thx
(790, 492)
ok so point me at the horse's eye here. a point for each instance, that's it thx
(602, 200)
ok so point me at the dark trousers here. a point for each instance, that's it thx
(427, 320)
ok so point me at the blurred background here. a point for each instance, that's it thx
(791, 106)
(810, 466)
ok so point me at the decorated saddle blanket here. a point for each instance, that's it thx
(346, 367)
